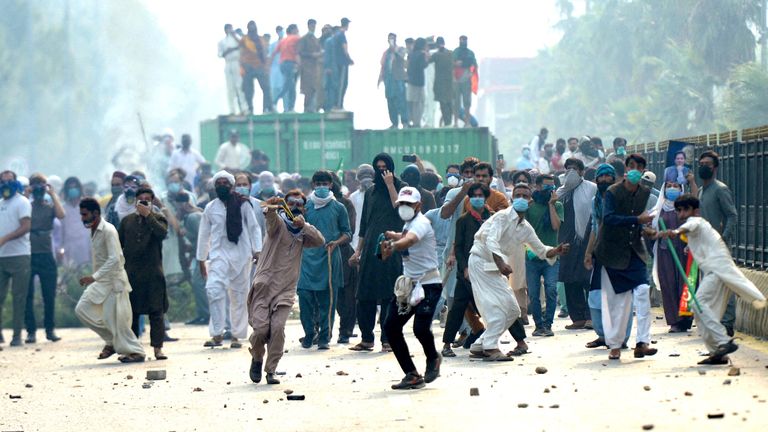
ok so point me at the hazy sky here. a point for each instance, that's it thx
(519, 28)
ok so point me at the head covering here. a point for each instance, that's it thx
(223, 174)
(605, 169)
(119, 174)
(649, 176)
(266, 178)
(168, 132)
(408, 194)
(411, 175)
(378, 180)
(365, 171)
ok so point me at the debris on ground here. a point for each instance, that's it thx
(287, 391)
(688, 393)
(294, 397)
(157, 374)
(715, 415)
(541, 370)
(14, 396)
(341, 373)
(522, 405)
(647, 388)
(474, 391)
(197, 389)
(727, 382)
(28, 385)
(734, 371)
(648, 427)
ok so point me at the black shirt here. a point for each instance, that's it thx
(417, 62)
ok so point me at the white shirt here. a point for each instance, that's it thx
(189, 161)
(108, 264)
(228, 42)
(12, 211)
(233, 156)
(422, 257)
(212, 241)
(705, 243)
(504, 234)
(357, 197)
(534, 146)
(542, 165)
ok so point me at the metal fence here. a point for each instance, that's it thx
(743, 165)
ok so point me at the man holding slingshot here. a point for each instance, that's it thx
(721, 278)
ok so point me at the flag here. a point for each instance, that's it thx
(475, 79)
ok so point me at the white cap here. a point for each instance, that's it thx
(225, 175)
(409, 195)
(649, 176)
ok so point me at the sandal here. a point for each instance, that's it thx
(132, 358)
(518, 351)
(715, 361)
(362, 346)
(614, 356)
(448, 352)
(159, 354)
(597, 343)
(386, 348)
(460, 341)
(497, 356)
(107, 352)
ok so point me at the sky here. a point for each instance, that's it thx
(515, 28)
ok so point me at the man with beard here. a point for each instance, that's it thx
(141, 236)
(229, 237)
(274, 287)
(576, 195)
(376, 277)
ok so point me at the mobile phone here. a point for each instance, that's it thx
(409, 158)
(144, 203)
(500, 157)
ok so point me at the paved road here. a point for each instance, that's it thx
(582, 390)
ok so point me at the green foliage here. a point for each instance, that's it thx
(647, 69)
(745, 100)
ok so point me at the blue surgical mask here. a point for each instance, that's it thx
(548, 188)
(672, 193)
(322, 191)
(174, 187)
(477, 202)
(243, 190)
(268, 191)
(73, 193)
(621, 151)
(634, 176)
(439, 187)
(520, 204)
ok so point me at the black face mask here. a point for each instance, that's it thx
(38, 192)
(542, 196)
(706, 172)
(223, 192)
(603, 186)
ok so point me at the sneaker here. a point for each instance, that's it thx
(51, 336)
(563, 314)
(548, 332)
(31, 338)
(433, 369)
(448, 352)
(411, 381)
(539, 331)
(16, 340)
(255, 371)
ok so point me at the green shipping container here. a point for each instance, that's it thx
(440, 147)
(300, 143)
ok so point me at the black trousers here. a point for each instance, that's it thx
(446, 113)
(462, 297)
(346, 302)
(576, 299)
(156, 328)
(422, 322)
(43, 265)
(262, 76)
(517, 330)
(366, 318)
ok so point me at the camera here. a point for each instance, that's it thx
(409, 158)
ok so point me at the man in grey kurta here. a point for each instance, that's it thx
(317, 289)
(274, 287)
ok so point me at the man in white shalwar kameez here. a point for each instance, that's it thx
(104, 306)
(721, 278)
(495, 241)
(230, 241)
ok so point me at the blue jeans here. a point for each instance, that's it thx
(331, 87)
(534, 270)
(395, 93)
(315, 309)
(596, 314)
(288, 93)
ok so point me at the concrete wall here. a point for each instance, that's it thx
(749, 320)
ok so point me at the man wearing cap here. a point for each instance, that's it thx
(417, 290)
(230, 238)
(392, 74)
(649, 180)
(233, 155)
(274, 286)
(141, 235)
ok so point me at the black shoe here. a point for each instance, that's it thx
(433, 369)
(343, 340)
(412, 380)
(304, 343)
(538, 331)
(472, 338)
(31, 338)
(724, 349)
(227, 335)
(729, 331)
(447, 352)
(255, 371)
(271, 379)
(2, 339)
(51, 336)
(548, 331)
(16, 341)
(168, 338)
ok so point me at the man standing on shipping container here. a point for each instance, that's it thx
(310, 52)
(229, 50)
(393, 75)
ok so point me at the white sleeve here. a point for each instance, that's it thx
(692, 224)
(204, 237)
(420, 228)
(497, 224)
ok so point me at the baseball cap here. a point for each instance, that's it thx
(649, 176)
(345, 21)
(408, 195)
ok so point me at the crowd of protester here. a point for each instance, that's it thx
(478, 247)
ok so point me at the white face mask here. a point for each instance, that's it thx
(406, 212)
(453, 181)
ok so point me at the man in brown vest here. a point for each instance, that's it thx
(622, 253)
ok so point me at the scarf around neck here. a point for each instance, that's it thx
(321, 202)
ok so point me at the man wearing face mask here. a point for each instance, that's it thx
(393, 75)
(274, 286)
(524, 162)
(75, 242)
(416, 243)
(105, 306)
(318, 289)
(412, 176)
(364, 178)
(717, 208)
(187, 159)
(587, 153)
(376, 277)
(545, 214)
(619, 151)
(622, 253)
(116, 189)
(43, 264)
(15, 249)
(230, 239)
(451, 180)
(267, 187)
(576, 195)
(243, 186)
(497, 243)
